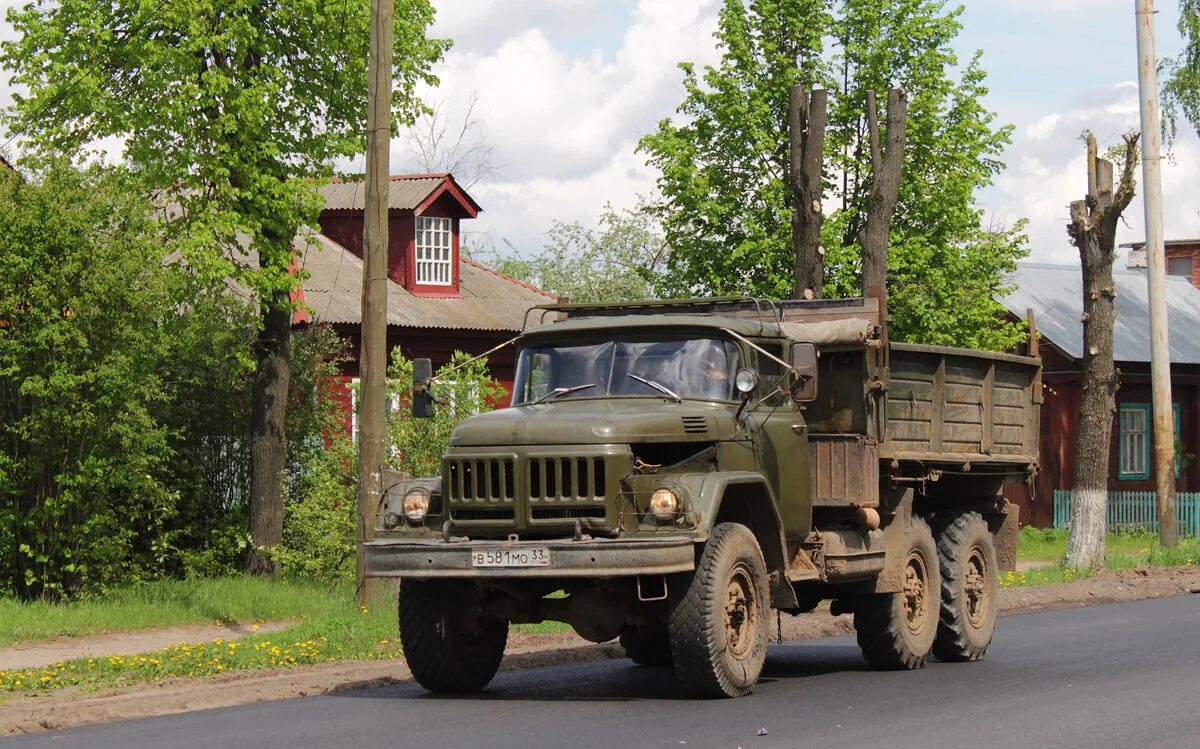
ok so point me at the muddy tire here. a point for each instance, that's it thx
(718, 623)
(646, 647)
(896, 630)
(969, 590)
(447, 649)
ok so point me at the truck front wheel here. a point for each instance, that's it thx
(449, 647)
(718, 625)
(896, 630)
(968, 563)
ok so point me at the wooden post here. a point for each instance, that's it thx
(886, 168)
(1156, 277)
(373, 349)
(806, 130)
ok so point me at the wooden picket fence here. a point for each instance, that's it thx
(1127, 510)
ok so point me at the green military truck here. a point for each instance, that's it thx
(669, 472)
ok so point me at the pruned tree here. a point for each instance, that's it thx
(886, 167)
(806, 127)
(1093, 229)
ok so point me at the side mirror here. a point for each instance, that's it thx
(804, 366)
(422, 401)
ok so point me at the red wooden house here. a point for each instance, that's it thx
(1055, 295)
(438, 301)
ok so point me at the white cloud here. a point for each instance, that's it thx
(565, 124)
(1047, 171)
(1043, 128)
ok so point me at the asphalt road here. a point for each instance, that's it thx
(1121, 675)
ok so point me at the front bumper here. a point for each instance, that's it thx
(590, 558)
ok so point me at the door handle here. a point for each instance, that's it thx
(799, 428)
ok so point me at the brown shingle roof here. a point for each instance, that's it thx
(406, 192)
(487, 300)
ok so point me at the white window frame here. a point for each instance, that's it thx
(434, 248)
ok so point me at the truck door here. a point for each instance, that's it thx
(780, 441)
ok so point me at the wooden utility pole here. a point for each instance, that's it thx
(806, 131)
(1093, 229)
(373, 347)
(1156, 275)
(886, 168)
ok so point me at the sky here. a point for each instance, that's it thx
(565, 88)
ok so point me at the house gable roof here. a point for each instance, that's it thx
(406, 192)
(1055, 294)
(487, 300)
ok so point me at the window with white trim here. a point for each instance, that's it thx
(1133, 444)
(434, 251)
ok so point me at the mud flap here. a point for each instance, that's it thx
(1006, 533)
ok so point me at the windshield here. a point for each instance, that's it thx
(700, 368)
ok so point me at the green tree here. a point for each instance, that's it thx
(415, 446)
(724, 164)
(90, 317)
(1181, 74)
(620, 260)
(230, 108)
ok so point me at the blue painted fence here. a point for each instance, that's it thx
(1136, 510)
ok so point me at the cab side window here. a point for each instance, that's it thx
(770, 374)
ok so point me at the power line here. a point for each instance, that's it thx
(62, 94)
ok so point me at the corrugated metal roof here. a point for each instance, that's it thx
(406, 192)
(487, 300)
(1055, 293)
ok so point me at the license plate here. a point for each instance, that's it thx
(534, 557)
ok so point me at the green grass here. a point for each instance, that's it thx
(1124, 550)
(167, 603)
(332, 628)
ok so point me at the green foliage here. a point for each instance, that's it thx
(416, 445)
(230, 108)
(1181, 75)
(91, 312)
(724, 164)
(320, 526)
(621, 260)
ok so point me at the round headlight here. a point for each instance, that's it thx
(746, 380)
(663, 503)
(416, 504)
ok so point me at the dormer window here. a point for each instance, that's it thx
(435, 257)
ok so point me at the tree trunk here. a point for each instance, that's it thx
(886, 167)
(806, 125)
(268, 441)
(1093, 230)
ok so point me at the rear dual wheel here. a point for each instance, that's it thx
(969, 589)
(897, 630)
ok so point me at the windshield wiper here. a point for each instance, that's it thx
(559, 392)
(660, 388)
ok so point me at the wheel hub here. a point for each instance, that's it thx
(975, 587)
(741, 613)
(915, 599)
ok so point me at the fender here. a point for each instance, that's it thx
(743, 497)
